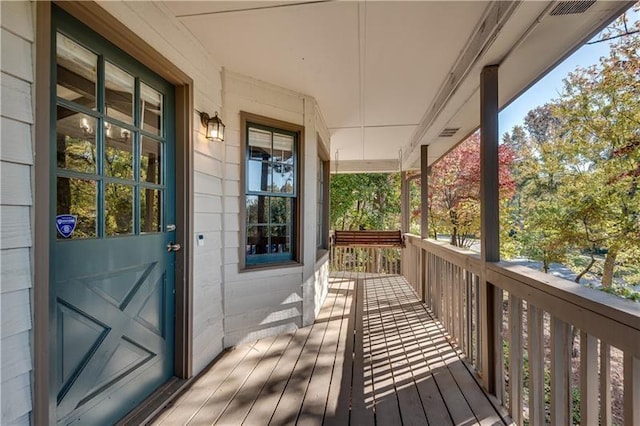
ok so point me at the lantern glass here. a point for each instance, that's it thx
(215, 127)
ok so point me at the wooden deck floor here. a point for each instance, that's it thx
(374, 356)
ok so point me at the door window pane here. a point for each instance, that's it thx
(76, 72)
(150, 110)
(118, 209)
(75, 141)
(150, 210)
(150, 160)
(119, 87)
(118, 152)
(77, 197)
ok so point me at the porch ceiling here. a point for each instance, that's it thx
(391, 75)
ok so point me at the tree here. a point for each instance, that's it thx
(454, 190)
(365, 201)
(578, 165)
(600, 115)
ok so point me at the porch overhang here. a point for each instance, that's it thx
(392, 76)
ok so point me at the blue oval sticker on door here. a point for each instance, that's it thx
(66, 224)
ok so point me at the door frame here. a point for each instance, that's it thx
(100, 21)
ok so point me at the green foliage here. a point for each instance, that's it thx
(365, 201)
(577, 168)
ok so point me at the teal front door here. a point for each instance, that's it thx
(112, 245)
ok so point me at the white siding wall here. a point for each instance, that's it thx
(153, 22)
(16, 161)
(262, 303)
(253, 304)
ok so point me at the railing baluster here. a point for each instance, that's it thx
(605, 384)
(560, 370)
(535, 346)
(468, 314)
(588, 379)
(631, 390)
(459, 299)
(478, 329)
(515, 359)
(498, 345)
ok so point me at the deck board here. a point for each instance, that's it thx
(375, 355)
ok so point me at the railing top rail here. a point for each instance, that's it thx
(462, 257)
(616, 308)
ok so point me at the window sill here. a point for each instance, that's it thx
(270, 266)
(321, 253)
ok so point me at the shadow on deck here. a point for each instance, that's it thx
(375, 355)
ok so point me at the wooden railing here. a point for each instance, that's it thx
(549, 350)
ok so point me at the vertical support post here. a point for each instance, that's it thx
(489, 190)
(489, 221)
(424, 191)
(405, 206)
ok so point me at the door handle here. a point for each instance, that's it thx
(173, 247)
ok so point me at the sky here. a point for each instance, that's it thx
(550, 86)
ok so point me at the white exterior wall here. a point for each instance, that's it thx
(16, 168)
(267, 302)
(250, 304)
(154, 23)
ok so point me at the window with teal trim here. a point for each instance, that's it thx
(271, 194)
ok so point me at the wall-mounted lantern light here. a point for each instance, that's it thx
(215, 127)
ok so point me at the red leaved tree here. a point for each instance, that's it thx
(454, 190)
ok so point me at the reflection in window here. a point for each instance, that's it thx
(75, 141)
(150, 110)
(78, 197)
(76, 72)
(271, 164)
(150, 160)
(110, 146)
(118, 201)
(118, 152)
(150, 216)
(119, 88)
(270, 195)
(268, 224)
